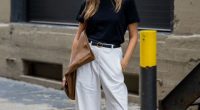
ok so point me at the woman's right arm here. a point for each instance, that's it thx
(81, 27)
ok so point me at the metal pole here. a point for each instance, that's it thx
(148, 87)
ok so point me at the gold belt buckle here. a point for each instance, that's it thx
(99, 44)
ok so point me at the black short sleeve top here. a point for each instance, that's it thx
(106, 25)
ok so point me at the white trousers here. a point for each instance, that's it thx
(105, 70)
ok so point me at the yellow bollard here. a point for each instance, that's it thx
(147, 48)
(148, 69)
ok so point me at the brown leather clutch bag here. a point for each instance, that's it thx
(80, 54)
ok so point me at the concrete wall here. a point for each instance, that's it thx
(176, 58)
(187, 16)
(36, 43)
(177, 55)
(5, 11)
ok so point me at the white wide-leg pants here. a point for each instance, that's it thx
(105, 70)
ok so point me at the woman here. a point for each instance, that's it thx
(106, 22)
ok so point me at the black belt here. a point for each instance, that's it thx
(100, 44)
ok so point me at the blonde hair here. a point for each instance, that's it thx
(93, 5)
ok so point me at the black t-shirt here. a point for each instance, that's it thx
(106, 25)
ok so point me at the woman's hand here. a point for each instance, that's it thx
(63, 82)
(124, 64)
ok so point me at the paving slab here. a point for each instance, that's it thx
(19, 95)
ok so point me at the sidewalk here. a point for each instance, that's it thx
(18, 95)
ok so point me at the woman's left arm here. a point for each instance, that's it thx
(133, 38)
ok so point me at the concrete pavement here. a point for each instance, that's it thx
(18, 95)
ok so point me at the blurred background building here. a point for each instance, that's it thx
(36, 35)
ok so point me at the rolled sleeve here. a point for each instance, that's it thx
(131, 12)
